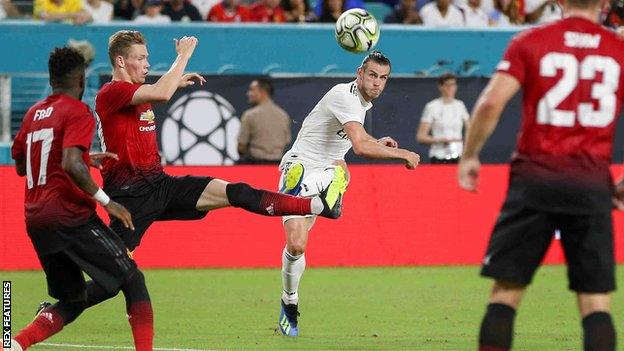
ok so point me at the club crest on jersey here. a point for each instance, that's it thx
(148, 116)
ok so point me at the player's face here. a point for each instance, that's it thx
(136, 64)
(372, 79)
(448, 88)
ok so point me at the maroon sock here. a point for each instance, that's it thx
(277, 204)
(265, 202)
(141, 320)
(48, 323)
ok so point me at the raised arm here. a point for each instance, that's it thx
(366, 146)
(167, 85)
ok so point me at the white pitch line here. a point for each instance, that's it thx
(112, 347)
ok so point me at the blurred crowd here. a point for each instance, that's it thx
(435, 13)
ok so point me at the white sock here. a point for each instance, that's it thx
(292, 270)
(317, 205)
(316, 182)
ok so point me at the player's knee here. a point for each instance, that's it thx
(507, 293)
(296, 248)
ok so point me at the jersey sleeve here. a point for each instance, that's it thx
(115, 97)
(17, 149)
(513, 61)
(78, 129)
(465, 115)
(345, 106)
(427, 115)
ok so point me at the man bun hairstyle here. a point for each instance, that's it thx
(377, 57)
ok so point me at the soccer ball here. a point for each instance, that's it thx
(357, 30)
(201, 129)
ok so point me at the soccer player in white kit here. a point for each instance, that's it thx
(328, 132)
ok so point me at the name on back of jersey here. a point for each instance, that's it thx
(43, 113)
(581, 40)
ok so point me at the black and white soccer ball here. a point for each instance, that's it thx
(357, 31)
(201, 129)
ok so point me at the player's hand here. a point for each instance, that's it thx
(190, 79)
(468, 173)
(412, 160)
(618, 195)
(118, 211)
(97, 157)
(185, 46)
(389, 142)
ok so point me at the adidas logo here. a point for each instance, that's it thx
(270, 209)
(48, 316)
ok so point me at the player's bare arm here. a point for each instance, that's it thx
(366, 146)
(423, 136)
(78, 171)
(485, 117)
(175, 78)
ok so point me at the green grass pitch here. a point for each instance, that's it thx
(422, 308)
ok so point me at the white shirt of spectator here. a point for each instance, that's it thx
(102, 14)
(475, 18)
(551, 12)
(486, 5)
(2, 12)
(431, 16)
(152, 20)
(447, 122)
(204, 6)
(322, 138)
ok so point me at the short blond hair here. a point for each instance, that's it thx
(119, 44)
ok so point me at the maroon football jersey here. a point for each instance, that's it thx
(51, 125)
(572, 92)
(130, 132)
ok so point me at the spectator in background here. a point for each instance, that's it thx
(153, 15)
(7, 9)
(332, 9)
(474, 16)
(614, 14)
(348, 4)
(265, 128)
(442, 123)
(228, 11)
(404, 12)
(497, 16)
(101, 11)
(267, 11)
(127, 10)
(298, 11)
(181, 11)
(441, 13)
(69, 11)
(204, 6)
(542, 11)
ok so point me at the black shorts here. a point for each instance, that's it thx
(171, 198)
(522, 236)
(95, 250)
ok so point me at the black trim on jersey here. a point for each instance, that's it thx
(353, 90)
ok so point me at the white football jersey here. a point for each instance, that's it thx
(322, 138)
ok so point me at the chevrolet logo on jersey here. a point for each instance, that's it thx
(148, 116)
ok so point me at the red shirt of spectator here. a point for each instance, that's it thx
(228, 11)
(267, 11)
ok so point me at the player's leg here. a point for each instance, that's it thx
(588, 246)
(293, 266)
(518, 243)
(106, 260)
(66, 283)
(219, 193)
